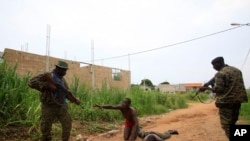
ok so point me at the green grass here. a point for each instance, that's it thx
(245, 110)
(20, 105)
(15, 97)
(146, 103)
(189, 96)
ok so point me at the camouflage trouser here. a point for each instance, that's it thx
(49, 114)
(229, 116)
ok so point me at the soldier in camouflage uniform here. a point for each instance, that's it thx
(230, 92)
(53, 100)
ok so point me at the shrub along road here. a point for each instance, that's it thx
(198, 122)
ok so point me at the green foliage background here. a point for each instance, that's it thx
(20, 105)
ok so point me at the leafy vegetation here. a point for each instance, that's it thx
(245, 108)
(146, 82)
(165, 82)
(20, 105)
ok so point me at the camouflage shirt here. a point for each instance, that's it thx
(47, 96)
(229, 86)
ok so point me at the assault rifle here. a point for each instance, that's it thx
(211, 83)
(68, 94)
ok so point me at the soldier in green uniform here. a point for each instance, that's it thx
(230, 92)
(53, 94)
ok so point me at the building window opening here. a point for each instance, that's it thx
(116, 74)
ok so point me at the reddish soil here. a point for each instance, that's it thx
(198, 122)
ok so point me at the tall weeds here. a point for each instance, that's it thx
(19, 105)
(146, 103)
(13, 94)
(245, 109)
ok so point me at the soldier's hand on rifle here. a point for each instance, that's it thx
(77, 101)
(202, 89)
(52, 87)
(206, 85)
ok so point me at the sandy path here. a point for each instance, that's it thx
(198, 122)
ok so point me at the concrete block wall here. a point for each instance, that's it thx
(103, 75)
(35, 64)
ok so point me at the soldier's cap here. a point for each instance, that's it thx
(219, 60)
(62, 64)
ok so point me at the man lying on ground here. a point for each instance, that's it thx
(156, 136)
(129, 113)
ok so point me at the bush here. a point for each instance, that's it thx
(245, 109)
(20, 105)
(146, 103)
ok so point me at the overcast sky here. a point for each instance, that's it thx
(122, 27)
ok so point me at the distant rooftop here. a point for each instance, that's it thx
(192, 84)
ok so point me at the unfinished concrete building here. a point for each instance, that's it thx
(93, 76)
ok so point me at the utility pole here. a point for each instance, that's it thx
(27, 47)
(92, 65)
(65, 54)
(129, 62)
(245, 60)
(144, 84)
(21, 47)
(47, 49)
(239, 24)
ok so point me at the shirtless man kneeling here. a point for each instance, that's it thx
(129, 113)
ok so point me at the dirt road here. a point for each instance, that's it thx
(198, 122)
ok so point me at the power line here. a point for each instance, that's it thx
(245, 59)
(170, 45)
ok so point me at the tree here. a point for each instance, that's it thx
(165, 82)
(147, 82)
